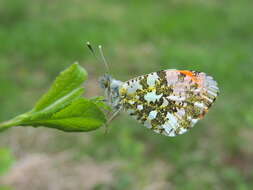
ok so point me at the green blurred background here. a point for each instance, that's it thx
(40, 38)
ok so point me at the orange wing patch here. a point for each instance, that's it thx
(191, 75)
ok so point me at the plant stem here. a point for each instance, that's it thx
(11, 123)
(6, 125)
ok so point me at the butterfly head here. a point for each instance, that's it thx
(105, 81)
(111, 88)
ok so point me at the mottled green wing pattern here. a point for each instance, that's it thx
(171, 101)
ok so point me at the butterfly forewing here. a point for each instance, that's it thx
(171, 101)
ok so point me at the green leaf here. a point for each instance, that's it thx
(64, 84)
(63, 106)
(80, 115)
(58, 104)
(99, 101)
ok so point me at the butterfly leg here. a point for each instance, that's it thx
(111, 118)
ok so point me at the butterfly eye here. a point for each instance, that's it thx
(104, 84)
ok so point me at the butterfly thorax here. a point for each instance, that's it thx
(111, 88)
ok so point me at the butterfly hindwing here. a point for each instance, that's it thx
(171, 101)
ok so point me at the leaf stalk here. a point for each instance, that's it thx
(12, 122)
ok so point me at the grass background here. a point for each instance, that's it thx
(40, 38)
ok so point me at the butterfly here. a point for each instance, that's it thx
(169, 102)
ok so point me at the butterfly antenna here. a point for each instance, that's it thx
(101, 54)
(92, 50)
(103, 58)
